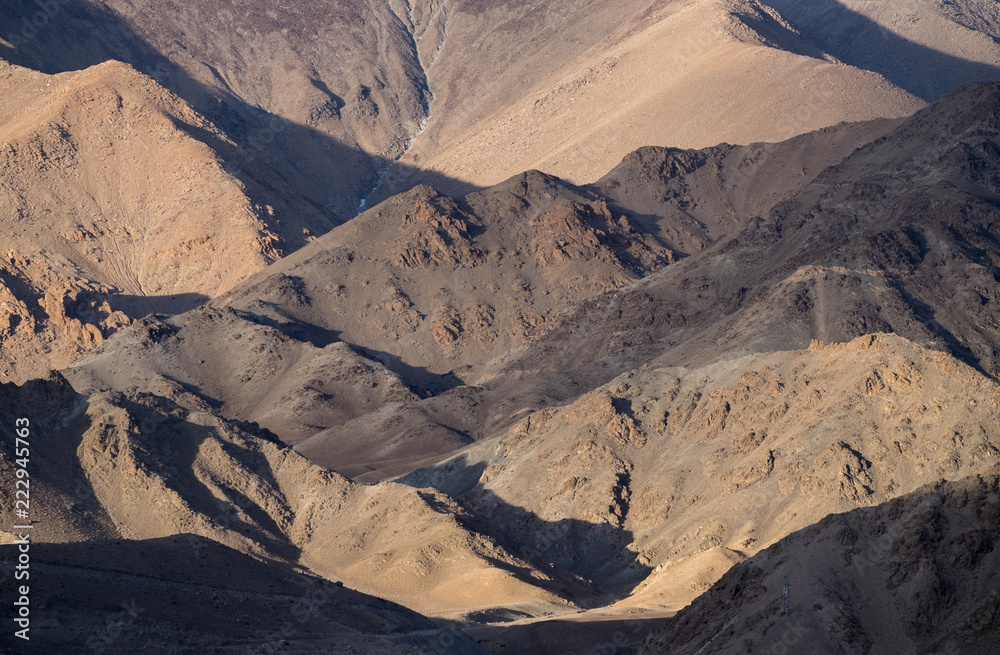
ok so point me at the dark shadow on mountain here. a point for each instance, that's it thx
(314, 335)
(927, 316)
(454, 477)
(293, 169)
(24, 291)
(136, 307)
(196, 391)
(860, 41)
(588, 563)
(187, 594)
(177, 445)
(57, 422)
(420, 380)
(401, 178)
(560, 637)
(854, 564)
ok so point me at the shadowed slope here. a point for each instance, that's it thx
(916, 575)
(188, 594)
(429, 287)
(928, 48)
(702, 467)
(900, 236)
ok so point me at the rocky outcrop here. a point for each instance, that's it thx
(49, 319)
(916, 574)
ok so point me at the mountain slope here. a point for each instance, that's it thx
(690, 470)
(95, 231)
(900, 236)
(464, 93)
(918, 574)
(186, 592)
(336, 96)
(626, 478)
(654, 74)
(137, 466)
(432, 86)
(928, 48)
(423, 288)
(514, 403)
(76, 141)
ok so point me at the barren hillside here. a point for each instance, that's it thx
(463, 92)
(464, 326)
(926, 47)
(900, 236)
(655, 472)
(141, 467)
(687, 471)
(405, 301)
(683, 74)
(96, 231)
(326, 93)
(918, 574)
(179, 593)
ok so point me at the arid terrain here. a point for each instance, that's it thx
(465, 326)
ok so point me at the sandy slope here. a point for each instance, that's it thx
(928, 48)
(116, 202)
(684, 74)
(80, 185)
(670, 476)
(140, 467)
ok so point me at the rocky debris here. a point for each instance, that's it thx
(461, 279)
(435, 235)
(663, 467)
(146, 467)
(449, 325)
(47, 318)
(575, 231)
(915, 574)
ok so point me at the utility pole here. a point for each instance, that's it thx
(786, 603)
